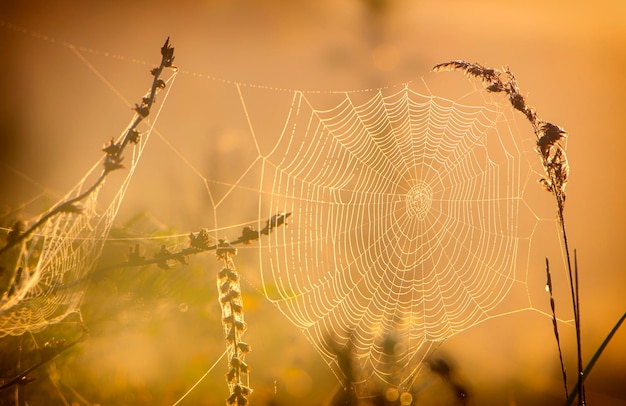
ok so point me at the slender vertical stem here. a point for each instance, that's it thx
(555, 326)
(581, 387)
(573, 282)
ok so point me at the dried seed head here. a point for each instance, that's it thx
(547, 185)
(222, 273)
(143, 110)
(244, 347)
(231, 334)
(550, 134)
(225, 286)
(518, 102)
(230, 375)
(133, 136)
(240, 325)
(231, 295)
(233, 275)
(228, 319)
(239, 364)
(248, 234)
(237, 399)
(236, 307)
(472, 69)
(113, 162)
(167, 51)
(112, 148)
(494, 87)
(201, 240)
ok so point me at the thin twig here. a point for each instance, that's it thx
(198, 244)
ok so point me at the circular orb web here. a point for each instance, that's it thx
(404, 224)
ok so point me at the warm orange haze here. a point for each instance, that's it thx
(417, 228)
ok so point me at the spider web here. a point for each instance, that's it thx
(407, 211)
(410, 222)
(51, 269)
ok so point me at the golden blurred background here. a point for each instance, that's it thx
(55, 112)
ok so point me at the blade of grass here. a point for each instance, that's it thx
(593, 360)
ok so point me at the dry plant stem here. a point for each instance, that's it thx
(229, 293)
(199, 243)
(573, 282)
(581, 387)
(556, 326)
(114, 152)
(553, 159)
